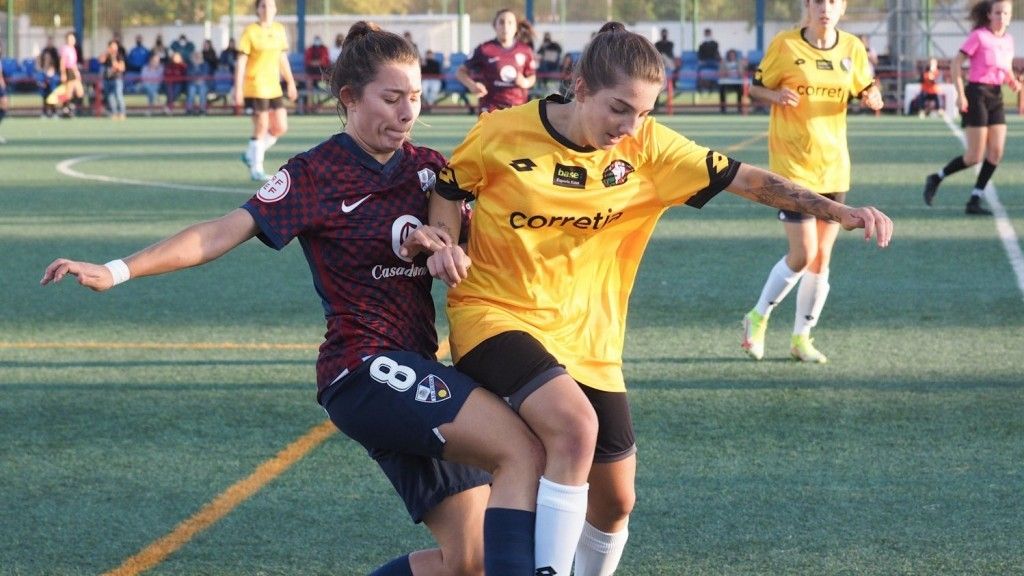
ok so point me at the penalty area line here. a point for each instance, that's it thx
(1007, 235)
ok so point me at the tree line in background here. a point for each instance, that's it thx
(116, 14)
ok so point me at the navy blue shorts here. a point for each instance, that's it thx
(790, 216)
(393, 405)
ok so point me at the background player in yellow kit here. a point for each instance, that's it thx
(809, 76)
(262, 62)
(567, 195)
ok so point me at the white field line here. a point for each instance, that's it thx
(66, 167)
(1003, 226)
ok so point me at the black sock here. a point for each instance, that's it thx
(396, 567)
(987, 169)
(955, 165)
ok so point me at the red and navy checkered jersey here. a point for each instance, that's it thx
(351, 214)
(497, 67)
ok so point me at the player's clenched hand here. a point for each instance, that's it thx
(872, 220)
(450, 265)
(424, 238)
(94, 276)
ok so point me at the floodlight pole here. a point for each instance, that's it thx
(300, 24)
(10, 30)
(231, 19)
(79, 18)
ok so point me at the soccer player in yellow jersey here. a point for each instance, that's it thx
(809, 76)
(567, 195)
(262, 62)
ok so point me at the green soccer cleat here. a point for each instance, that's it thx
(754, 327)
(802, 349)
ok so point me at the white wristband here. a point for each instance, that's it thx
(119, 270)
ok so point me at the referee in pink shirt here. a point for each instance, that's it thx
(990, 50)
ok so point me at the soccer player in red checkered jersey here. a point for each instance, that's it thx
(458, 456)
(501, 71)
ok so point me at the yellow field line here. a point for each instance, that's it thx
(155, 553)
(228, 500)
(745, 143)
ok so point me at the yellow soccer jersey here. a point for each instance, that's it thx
(558, 231)
(264, 47)
(807, 142)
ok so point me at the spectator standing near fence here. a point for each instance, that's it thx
(262, 63)
(182, 45)
(229, 57)
(137, 57)
(549, 56)
(808, 75)
(113, 68)
(989, 48)
(430, 70)
(161, 50)
(501, 71)
(708, 52)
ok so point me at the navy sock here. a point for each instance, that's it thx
(508, 542)
(987, 169)
(955, 165)
(398, 567)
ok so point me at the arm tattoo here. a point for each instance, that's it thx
(776, 191)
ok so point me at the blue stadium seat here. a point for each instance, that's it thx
(10, 67)
(451, 83)
(754, 57)
(686, 74)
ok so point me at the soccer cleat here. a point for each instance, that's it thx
(245, 159)
(754, 326)
(258, 175)
(931, 187)
(974, 207)
(802, 349)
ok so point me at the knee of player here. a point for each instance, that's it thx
(576, 437)
(613, 507)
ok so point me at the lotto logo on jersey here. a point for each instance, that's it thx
(432, 390)
(275, 188)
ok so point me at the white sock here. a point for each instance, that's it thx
(561, 513)
(978, 193)
(598, 553)
(250, 151)
(268, 141)
(258, 156)
(941, 173)
(810, 299)
(780, 281)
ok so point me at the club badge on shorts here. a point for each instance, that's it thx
(432, 390)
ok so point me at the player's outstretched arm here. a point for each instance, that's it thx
(767, 188)
(450, 264)
(195, 245)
